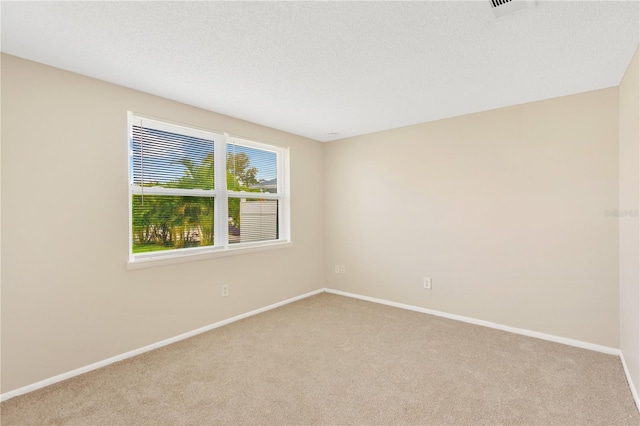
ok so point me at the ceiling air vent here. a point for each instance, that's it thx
(507, 7)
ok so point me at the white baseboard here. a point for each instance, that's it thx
(577, 343)
(522, 331)
(64, 376)
(632, 385)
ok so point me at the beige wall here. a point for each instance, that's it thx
(504, 209)
(629, 225)
(67, 299)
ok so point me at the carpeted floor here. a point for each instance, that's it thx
(335, 360)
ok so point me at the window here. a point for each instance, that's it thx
(197, 192)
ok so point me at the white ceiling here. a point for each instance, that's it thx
(313, 68)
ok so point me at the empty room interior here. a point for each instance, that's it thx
(320, 212)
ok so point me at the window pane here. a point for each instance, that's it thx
(167, 222)
(251, 169)
(171, 160)
(252, 219)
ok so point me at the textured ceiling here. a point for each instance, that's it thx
(313, 68)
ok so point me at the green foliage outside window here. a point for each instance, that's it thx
(161, 222)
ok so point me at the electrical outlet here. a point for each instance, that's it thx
(225, 290)
(343, 269)
(427, 283)
(336, 269)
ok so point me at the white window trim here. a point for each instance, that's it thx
(221, 247)
(183, 257)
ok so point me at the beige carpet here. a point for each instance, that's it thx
(335, 360)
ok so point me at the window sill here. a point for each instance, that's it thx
(170, 259)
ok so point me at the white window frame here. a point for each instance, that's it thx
(220, 194)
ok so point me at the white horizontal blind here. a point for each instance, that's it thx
(252, 168)
(195, 191)
(166, 168)
(171, 160)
